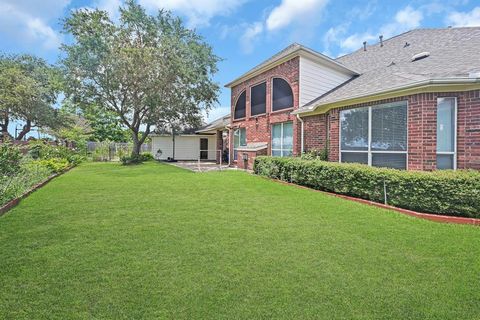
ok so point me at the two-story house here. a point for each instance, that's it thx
(409, 102)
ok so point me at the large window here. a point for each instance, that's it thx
(258, 99)
(240, 106)
(375, 136)
(446, 133)
(239, 140)
(282, 139)
(282, 97)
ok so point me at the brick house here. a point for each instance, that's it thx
(409, 102)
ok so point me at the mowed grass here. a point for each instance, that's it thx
(155, 241)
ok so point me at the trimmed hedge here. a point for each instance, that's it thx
(448, 192)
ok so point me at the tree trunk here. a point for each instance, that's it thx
(173, 144)
(26, 129)
(136, 145)
(4, 128)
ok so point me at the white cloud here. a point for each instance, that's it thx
(465, 19)
(27, 23)
(293, 11)
(404, 20)
(198, 12)
(110, 6)
(250, 35)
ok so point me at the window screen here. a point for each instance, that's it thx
(282, 95)
(390, 160)
(240, 106)
(258, 99)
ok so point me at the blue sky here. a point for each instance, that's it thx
(246, 32)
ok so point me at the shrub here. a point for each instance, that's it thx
(127, 160)
(31, 173)
(40, 150)
(315, 154)
(146, 156)
(10, 157)
(55, 165)
(446, 192)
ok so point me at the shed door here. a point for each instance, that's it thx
(203, 148)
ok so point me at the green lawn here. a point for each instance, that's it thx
(155, 241)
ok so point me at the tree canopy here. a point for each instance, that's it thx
(145, 69)
(29, 88)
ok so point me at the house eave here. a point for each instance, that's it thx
(300, 52)
(426, 86)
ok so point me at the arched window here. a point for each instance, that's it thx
(282, 95)
(240, 106)
(258, 99)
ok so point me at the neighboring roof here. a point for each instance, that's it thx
(454, 58)
(288, 53)
(215, 125)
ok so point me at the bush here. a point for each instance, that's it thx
(315, 154)
(446, 192)
(40, 150)
(31, 173)
(10, 157)
(127, 160)
(146, 156)
(55, 165)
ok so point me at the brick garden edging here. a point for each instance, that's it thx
(14, 202)
(421, 215)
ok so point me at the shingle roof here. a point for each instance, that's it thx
(454, 54)
(216, 124)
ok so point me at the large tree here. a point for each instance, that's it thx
(138, 67)
(29, 88)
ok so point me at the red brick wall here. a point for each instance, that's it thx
(422, 129)
(258, 128)
(241, 164)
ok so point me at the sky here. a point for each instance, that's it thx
(245, 32)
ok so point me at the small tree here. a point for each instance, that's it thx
(138, 67)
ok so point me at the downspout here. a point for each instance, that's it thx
(230, 152)
(301, 133)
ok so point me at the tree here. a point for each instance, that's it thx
(29, 88)
(138, 67)
(104, 125)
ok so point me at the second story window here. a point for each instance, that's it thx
(282, 95)
(258, 99)
(240, 106)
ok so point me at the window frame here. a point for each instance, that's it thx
(239, 141)
(281, 140)
(455, 120)
(235, 105)
(271, 96)
(369, 150)
(250, 98)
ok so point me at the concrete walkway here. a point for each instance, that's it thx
(204, 166)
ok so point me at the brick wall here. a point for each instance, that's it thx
(258, 128)
(422, 129)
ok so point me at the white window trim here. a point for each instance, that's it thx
(369, 150)
(281, 139)
(239, 141)
(454, 152)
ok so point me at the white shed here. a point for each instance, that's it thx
(187, 146)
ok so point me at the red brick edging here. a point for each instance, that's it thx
(13, 203)
(421, 215)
